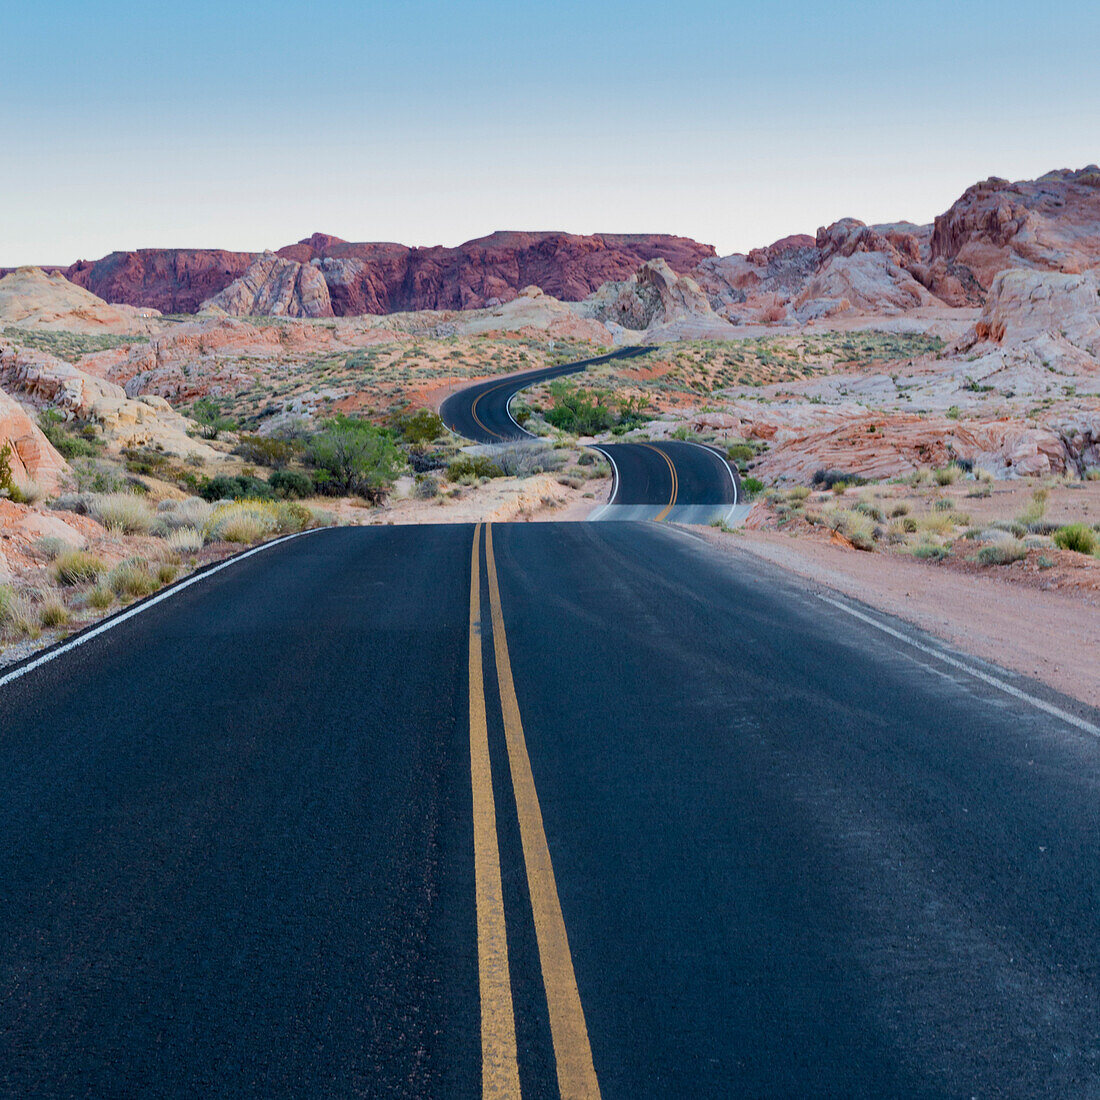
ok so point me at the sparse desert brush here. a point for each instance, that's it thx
(77, 567)
(935, 523)
(192, 512)
(946, 475)
(1035, 511)
(1002, 553)
(166, 572)
(798, 494)
(1077, 537)
(185, 540)
(930, 551)
(49, 546)
(53, 612)
(473, 466)
(132, 578)
(101, 597)
(898, 530)
(982, 489)
(899, 509)
(523, 460)
(857, 527)
(17, 615)
(426, 488)
(252, 520)
(124, 513)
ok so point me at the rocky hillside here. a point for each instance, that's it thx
(380, 277)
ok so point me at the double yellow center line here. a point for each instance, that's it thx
(572, 1051)
(675, 482)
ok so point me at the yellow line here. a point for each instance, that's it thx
(499, 1064)
(675, 482)
(572, 1052)
(473, 409)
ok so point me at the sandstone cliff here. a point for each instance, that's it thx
(274, 287)
(31, 298)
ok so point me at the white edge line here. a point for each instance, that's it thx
(993, 681)
(614, 483)
(728, 469)
(110, 624)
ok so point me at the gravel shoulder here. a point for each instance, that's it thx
(1049, 635)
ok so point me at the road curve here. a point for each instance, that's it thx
(669, 480)
(382, 812)
(480, 412)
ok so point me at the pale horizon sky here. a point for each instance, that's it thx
(223, 125)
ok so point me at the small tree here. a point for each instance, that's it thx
(354, 457)
(208, 416)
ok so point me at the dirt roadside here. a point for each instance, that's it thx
(1048, 635)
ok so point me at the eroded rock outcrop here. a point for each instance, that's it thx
(1049, 224)
(33, 298)
(274, 287)
(31, 456)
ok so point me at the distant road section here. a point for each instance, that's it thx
(677, 481)
(480, 412)
(670, 480)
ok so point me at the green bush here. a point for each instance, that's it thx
(830, 479)
(265, 450)
(76, 567)
(475, 466)
(752, 485)
(8, 487)
(422, 426)
(353, 456)
(740, 452)
(66, 442)
(208, 416)
(291, 484)
(226, 487)
(1002, 553)
(1077, 537)
(578, 411)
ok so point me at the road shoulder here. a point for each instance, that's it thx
(1049, 636)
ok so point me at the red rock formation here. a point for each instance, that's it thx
(173, 280)
(384, 278)
(1048, 224)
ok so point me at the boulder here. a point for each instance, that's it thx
(32, 457)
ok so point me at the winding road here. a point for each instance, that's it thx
(541, 809)
(676, 481)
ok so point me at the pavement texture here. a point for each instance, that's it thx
(746, 843)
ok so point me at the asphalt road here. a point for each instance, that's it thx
(675, 481)
(386, 812)
(480, 412)
(670, 480)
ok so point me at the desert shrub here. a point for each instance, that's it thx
(943, 505)
(858, 528)
(830, 479)
(930, 551)
(473, 466)
(7, 478)
(100, 597)
(523, 460)
(426, 487)
(132, 578)
(578, 411)
(420, 427)
(209, 417)
(227, 487)
(77, 567)
(1077, 537)
(1002, 553)
(869, 508)
(798, 494)
(1035, 511)
(946, 475)
(68, 443)
(49, 546)
(353, 456)
(740, 452)
(17, 615)
(265, 450)
(251, 520)
(174, 515)
(291, 484)
(900, 509)
(52, 612)
(185, 540)
(752, 485)
(122, 512)
(935, 523)
(587, 458)
(166, 572)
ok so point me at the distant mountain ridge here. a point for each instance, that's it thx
(381, 277)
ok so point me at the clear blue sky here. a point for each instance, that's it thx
(125, 125)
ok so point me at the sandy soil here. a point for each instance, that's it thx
(1049, 635)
